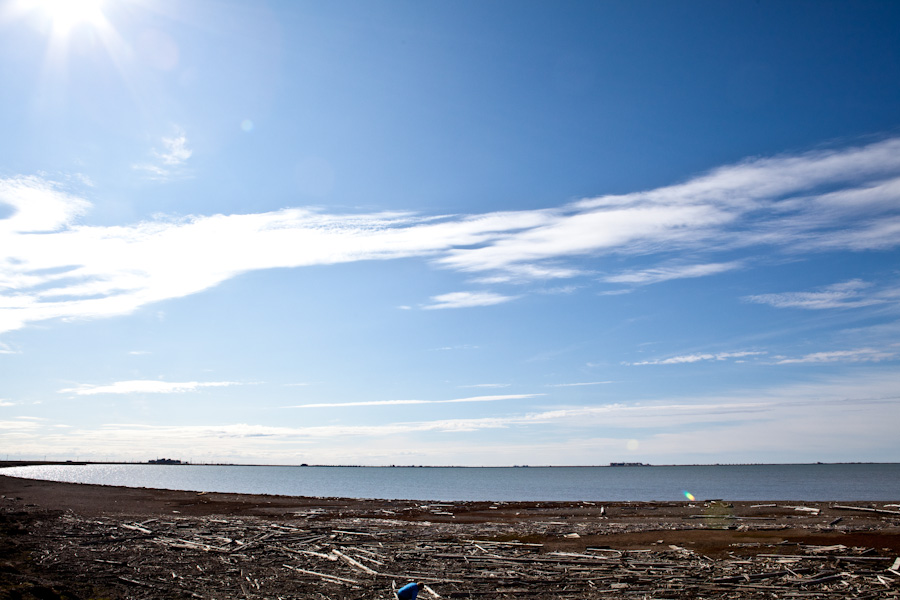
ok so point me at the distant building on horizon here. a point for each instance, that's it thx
(164, 461)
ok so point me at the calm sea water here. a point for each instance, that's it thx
(830, 482)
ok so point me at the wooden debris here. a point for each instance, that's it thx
(348, 557)
(880, 511)
(813, 511)
(354, 562)
(323, 576)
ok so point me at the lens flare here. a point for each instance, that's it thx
(689, 496)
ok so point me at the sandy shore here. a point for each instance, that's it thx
(64, 540)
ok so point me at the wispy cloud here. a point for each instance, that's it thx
(38, 206)
(20, 425)
(766, 404)
(578, 384)
(530, 272)
(769, 404)
(409, 402)
(168, 161)
(611, 415)
(144, 386)
(771, 201)
(698, 357)
(852, 356)
(466, 300)
(659, 274)
(823, 414)
(175, 150)
(848, 294)
(791, 203)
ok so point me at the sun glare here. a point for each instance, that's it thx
(67, 14)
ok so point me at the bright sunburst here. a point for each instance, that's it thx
(67, 14)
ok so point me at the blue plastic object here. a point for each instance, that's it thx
(408, 592)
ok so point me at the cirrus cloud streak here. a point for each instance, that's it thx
(411, 402)
(54, 267)
(144, 386)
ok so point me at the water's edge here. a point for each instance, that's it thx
(819, 482)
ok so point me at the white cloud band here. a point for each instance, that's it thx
(410, 402)
(144, 386)
(79, 271)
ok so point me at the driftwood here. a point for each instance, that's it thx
(347, 557)
(323, 576)
(354, 562)
(880, 511)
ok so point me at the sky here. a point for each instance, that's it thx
(450, 233)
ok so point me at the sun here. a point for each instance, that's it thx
(74, 31)
(68, 14)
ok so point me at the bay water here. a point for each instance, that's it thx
(812, 482)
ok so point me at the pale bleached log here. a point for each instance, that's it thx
(353, 562)
(325, 576)
(880, 511)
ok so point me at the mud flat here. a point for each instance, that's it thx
(77, 541)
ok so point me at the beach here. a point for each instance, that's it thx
(79, 541)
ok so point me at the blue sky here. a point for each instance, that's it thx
(450, 233)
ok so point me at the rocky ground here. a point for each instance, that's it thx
(69, 541)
